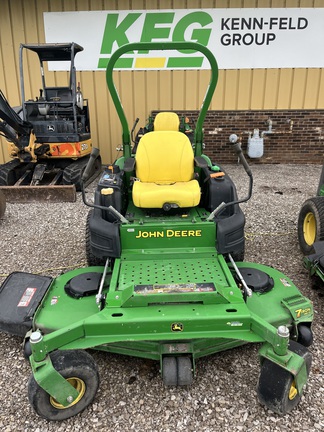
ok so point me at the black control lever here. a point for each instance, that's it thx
(237, 147)
(133, 129)
(87, 171)
(233, 139)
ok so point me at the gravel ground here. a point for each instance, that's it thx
(49, 238)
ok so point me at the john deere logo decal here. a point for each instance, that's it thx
(176, 327)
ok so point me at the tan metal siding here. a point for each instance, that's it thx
(143, 91)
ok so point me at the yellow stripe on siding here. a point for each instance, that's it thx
(151, 62)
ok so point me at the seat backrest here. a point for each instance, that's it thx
(164, 157)
(166, 121)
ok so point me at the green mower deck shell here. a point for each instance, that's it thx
(173, 320)
(204, 309)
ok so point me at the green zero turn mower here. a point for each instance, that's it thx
(165, 240)
(311, 232)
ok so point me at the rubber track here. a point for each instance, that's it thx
(5, 170)
(73, 172)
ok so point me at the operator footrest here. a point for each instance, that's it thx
(20, 295)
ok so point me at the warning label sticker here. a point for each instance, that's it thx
(174, 288)
(26, 297)
(285, 282)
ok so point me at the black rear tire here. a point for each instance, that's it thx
(91, 258)
(310, 224)
(238, 255)
(80, 369)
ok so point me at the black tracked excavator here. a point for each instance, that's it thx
(49, 136)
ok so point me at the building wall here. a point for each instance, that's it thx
(297, 136)
(144, 91)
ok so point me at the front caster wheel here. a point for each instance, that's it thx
(305, 335)
(79, 368)
(277, 388)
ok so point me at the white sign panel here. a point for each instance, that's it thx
(239, 38)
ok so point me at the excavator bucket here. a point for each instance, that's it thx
(28, 194)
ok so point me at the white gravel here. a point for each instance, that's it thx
(49, 238)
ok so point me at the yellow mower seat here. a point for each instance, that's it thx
(165, 171)
(166, 121)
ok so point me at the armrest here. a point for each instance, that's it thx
(129, 164)
(201, 162)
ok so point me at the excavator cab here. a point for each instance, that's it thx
(58, 112)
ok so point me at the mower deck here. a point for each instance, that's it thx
(185, 292)
(155, 302)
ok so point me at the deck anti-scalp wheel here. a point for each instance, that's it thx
(79, 368)
(177, 371)
(311, 224)
(185, 371)
(277, 388)
(169, 371)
